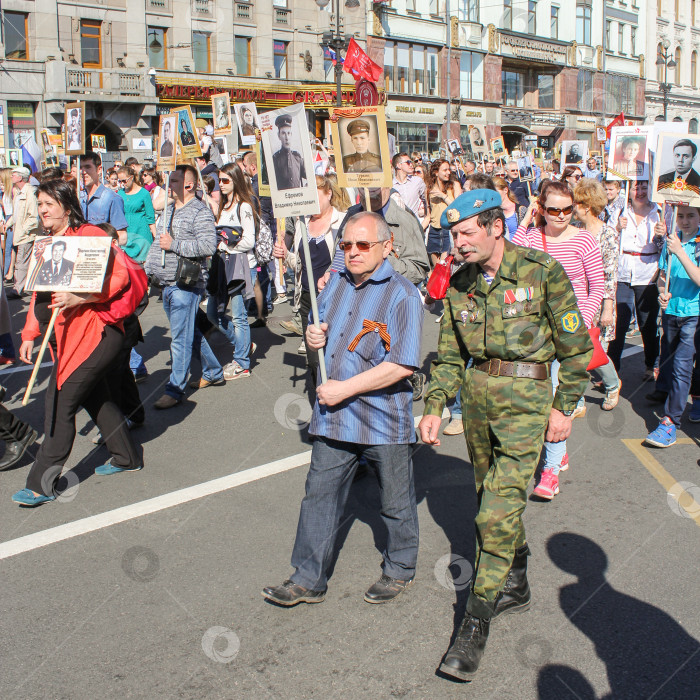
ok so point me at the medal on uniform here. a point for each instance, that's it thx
(509, 297)
(465, 316)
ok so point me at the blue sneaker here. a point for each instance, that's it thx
(109, 469)
(663, 436)
(27, 497)
(694, 416)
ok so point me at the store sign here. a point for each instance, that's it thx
(415, 112)
(275, 96)
(472, 115)
(533, 49)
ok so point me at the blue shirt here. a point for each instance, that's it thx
(685, 294)
(104, 207)
(381, 417)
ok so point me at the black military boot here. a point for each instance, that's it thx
(515, 596)
(18, 436)
(462, 660)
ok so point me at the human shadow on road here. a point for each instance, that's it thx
(646, 652)
(448, 490)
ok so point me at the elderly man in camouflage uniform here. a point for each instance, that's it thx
(511, 310)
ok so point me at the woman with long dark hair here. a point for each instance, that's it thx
(443, 189)
(86, 348)
(579, 254)
(239, 218)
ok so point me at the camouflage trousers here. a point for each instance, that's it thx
(504, 420)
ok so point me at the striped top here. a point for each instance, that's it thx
(381, 417)
(581, 259)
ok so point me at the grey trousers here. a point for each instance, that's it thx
(23, 256)
(333, 466)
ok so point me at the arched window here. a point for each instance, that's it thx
(659, 68)
(694, 69)
(678, 65)
(693, 126)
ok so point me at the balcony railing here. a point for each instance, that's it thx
(244, 10)
(117, 82)
(203, 8)
(159, 6)
(283, 16)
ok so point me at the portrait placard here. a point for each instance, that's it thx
(537, 156)
(186, 133)
(601, 134)
(361, 146)
(629, 153)
(676, 169)
(477, 138)
(498, 147)
(455, 147)
(14, 157)
(290, 167)
(525, 168)
(573, 153)
(248, 121)
(167, 151)
(97, 143)
(221, 111)
(75, 129)
(68, 264)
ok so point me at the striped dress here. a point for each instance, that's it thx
(581, 259)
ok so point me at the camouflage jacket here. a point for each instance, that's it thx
(528, 313)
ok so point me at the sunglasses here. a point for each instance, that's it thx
(225, 180)
(407, 162)
(123, 182)
(553, 211)
(362, 246)
(417, 160)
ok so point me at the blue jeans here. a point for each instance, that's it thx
(8, 252)
(456, 410)
(554, 451)
(237, 332)
(136, 363)
(676, 365)
(333, 466)
(180, 306)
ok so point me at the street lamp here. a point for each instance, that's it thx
(338, 43)
(664, 58)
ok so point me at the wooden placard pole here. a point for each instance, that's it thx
(312, 293)
(368, 206)
(165, 211)
(40, 357)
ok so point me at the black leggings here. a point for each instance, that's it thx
(87, 387)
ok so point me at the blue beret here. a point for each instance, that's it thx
(469, 204)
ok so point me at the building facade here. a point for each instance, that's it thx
(673, 37)
(523, 68)
(131, 60)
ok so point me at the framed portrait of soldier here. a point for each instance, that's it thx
(221, 113)
(75, 129)
(361, 147)
(68, 264)
(498, 147)
(248, 121)
(455, 147)
(525, 168)
(290, 166)
(167, 142)
(98, 143)
(477, 138)
(629, 153)
(186, 133)
(677, 169)
(573, 153)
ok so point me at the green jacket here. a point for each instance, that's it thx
(480, 324)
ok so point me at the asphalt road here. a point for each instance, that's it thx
(147, 585)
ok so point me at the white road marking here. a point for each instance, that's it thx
(152, 505)
(24, 368)
(632, 350)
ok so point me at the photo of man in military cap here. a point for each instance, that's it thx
(362, 160)
(290, 171)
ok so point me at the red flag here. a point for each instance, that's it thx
(359, 64)
(618, 121)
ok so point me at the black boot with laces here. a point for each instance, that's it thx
(463, 658)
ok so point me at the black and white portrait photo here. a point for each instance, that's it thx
(57, 271)
(573, 153)
(455, 147)
(477, 139)
(288, 162)
(677, 169)
(75, 128)
(166, 142)
(221, 112)
(247, 117)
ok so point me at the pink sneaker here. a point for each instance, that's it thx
(564, 463)
(548, 487)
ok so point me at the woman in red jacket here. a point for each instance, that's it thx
(86, 347)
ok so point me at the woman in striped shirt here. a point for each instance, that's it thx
(579, 255)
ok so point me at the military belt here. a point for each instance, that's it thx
(523, 370)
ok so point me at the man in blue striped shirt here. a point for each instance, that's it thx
(371, 321)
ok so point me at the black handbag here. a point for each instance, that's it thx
(187, 272)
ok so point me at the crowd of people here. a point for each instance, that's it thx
(588, 255)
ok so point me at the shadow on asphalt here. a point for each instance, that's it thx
(646, 652)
